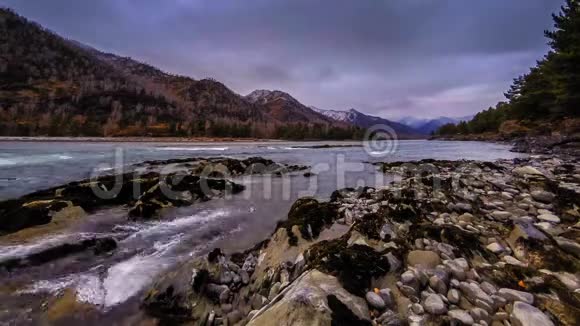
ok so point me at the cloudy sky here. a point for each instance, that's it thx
(394, 58)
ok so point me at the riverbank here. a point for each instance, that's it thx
(453, 241)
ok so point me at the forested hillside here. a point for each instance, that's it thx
(50, 86)
(547, 98)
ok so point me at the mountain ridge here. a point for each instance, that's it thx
(52, 86)
(366, 121)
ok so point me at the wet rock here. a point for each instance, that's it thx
(434, 305)
(461, 316)
(98, 245)
(234, 317)
(501, 215)
(514, 295)
(427, 259)
(524, 314)
(103, 246)
(375, 300)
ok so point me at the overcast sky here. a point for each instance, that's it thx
(394, 58)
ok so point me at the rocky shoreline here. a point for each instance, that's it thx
(451, 242)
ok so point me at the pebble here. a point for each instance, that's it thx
(549, 218)
(461, 315)
(496, 248)
(427, 259)
(375, 300)
(514, 295)
(543, 196)
(453, 296)
(434, 305)
(524, 314)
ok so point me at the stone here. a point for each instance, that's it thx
(527, 171)
(274, 290)
(513, 261)
(496, 248)
(549, 218)
(417, 309)
(234, 317)
(524, 314)
(514, 295)
(488, 288)
(453, 296)
(437, 284)
(408, 277)
(375, 300)
(568, 246)
(302, 301)
(543, 196)
(434, 305)
(501, 215)
(427, 259)
(480, 314)
(387, 296)
(461, 316)
(472, 292)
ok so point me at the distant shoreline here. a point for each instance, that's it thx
(172, 140)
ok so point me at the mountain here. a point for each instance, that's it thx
(51, 86)
(365, 121)
(427, 126)
(286, 108)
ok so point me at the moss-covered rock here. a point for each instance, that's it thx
(310, 216)
(354, 266)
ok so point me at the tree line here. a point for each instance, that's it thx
(549, 91)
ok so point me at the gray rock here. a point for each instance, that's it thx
(524, 314)
(245, 277)
(434, 305)
(394, 262)
(472, 292)
(543, 196)
(437, 284)
(527, 171)
(417, 309)
(514, 295)
(387, 296)
(258, 301)
(496, 248)
(408, 277)
(390, 318)
(479, 314)
(453, 296)
(461, 316)
(375, 300)
(501, 215)
(549, 218)
(488, 288)
(568, 245)
(234, 317)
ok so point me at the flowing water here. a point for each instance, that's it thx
(147, 249)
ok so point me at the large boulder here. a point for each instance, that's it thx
(314, 298)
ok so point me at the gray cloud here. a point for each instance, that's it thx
(394, 58)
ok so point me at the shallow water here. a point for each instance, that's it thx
(146, 249)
